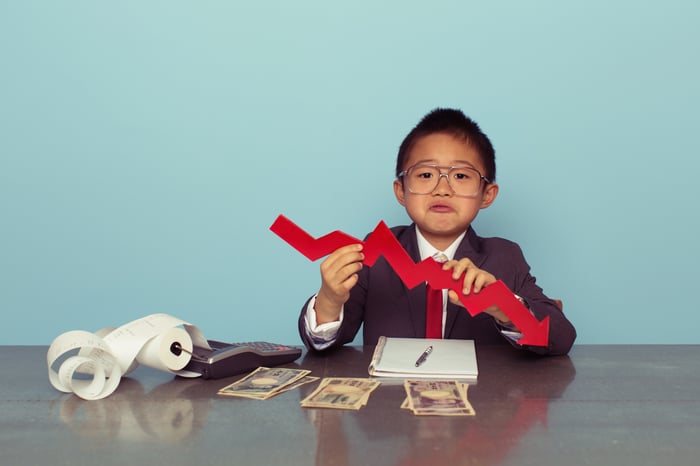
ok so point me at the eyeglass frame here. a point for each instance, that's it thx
(441, 174)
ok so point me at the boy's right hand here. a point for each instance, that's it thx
(338, 276)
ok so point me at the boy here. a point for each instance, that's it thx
(445, 174)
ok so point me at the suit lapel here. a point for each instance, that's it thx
(416, 296)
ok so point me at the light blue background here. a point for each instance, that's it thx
(146, 147)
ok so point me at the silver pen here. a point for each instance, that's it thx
(424, 356)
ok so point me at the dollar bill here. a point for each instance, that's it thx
(264, 383)
(341, 393)
(437, 398)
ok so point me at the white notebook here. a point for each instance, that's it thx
(448, 359)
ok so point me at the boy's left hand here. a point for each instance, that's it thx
(475, 279)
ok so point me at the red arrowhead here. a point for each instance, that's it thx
(536, 335)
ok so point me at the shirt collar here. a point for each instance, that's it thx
(427, 250)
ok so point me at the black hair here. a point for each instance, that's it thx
(455, 123)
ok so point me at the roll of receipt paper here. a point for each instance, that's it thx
(91, 365)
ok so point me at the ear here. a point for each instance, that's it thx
(399, 192)
(490, 194)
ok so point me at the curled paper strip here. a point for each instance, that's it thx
(91, 364)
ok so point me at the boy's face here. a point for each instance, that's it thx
(441, 215)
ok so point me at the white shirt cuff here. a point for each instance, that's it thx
(323, 335)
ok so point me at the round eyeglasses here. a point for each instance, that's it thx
(424, 178)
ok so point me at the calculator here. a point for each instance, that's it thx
(227, 359)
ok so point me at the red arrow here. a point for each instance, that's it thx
(382, 242)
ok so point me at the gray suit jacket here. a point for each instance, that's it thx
(387, 307)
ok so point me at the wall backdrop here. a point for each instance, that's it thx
(147, 146)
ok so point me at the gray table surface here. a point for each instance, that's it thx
(601, 405)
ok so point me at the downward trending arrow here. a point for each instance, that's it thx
(381, 242)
